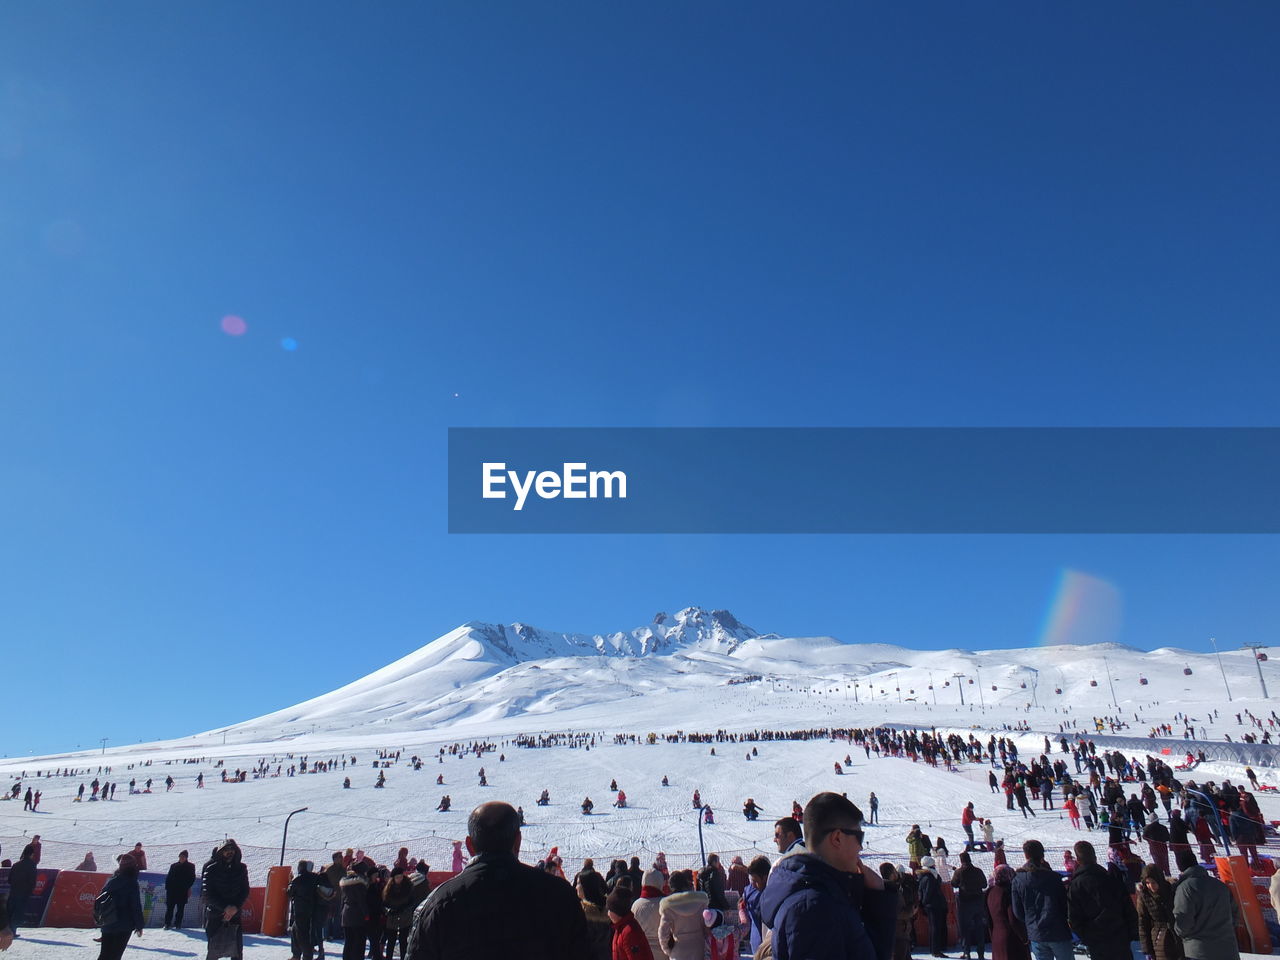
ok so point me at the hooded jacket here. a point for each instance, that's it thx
(680, 919)
(225, 883)
(355, 900)
(629, 941)
(1040, 902)
(814, 911)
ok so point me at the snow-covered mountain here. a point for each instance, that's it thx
(437, 682)
(523, 677)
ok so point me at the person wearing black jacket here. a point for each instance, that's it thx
(934, 904)
(971, 906)
(177, 888)
(22, 883)
(487, 911)
(711, 880)
(1099, 909)
(225, 887)
(123, 887)
(309, 896)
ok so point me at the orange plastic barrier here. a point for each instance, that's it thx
(1251, 932)
(275, 901)
(71, 904)
(251, 912)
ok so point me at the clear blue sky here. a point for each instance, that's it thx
(588, 214)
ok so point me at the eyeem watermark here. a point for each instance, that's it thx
(574, 482)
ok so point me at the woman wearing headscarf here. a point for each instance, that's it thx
(1155, 916)
(1008, 934)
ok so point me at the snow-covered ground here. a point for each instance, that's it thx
(466, 688)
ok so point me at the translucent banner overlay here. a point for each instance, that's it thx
(864, 480)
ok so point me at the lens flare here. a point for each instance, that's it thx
(288, 343)
(234, 326)
(1085, 609)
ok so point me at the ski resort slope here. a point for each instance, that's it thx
(697, 671)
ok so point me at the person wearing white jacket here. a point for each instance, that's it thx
(681, 931)
(645, 910)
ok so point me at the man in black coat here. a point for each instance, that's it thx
(1099, 908)
(499, 908)
(225, 886)
(177, 889)
(309, 896)
(22, 883)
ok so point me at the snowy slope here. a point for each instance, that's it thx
(481, 682)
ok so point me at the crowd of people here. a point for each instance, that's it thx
(816, 899)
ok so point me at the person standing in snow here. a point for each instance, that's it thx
(22, 883)
(934, 904)
(123, 887)
(177, 888)
(225, 888)
(489, 911)
(309, 896)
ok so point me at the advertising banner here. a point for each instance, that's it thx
(71, 904)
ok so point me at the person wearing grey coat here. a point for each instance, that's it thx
(1204, 916)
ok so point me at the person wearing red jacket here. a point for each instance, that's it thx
(629, 939)
(967, 818)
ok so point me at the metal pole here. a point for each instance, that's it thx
(1111, 683)
(702, 850)
(982, 697)
(104, 744)
(285, 838)
(1257, 662)
(1216, 651)
(957, 677)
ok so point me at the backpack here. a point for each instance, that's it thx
(105, 910)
